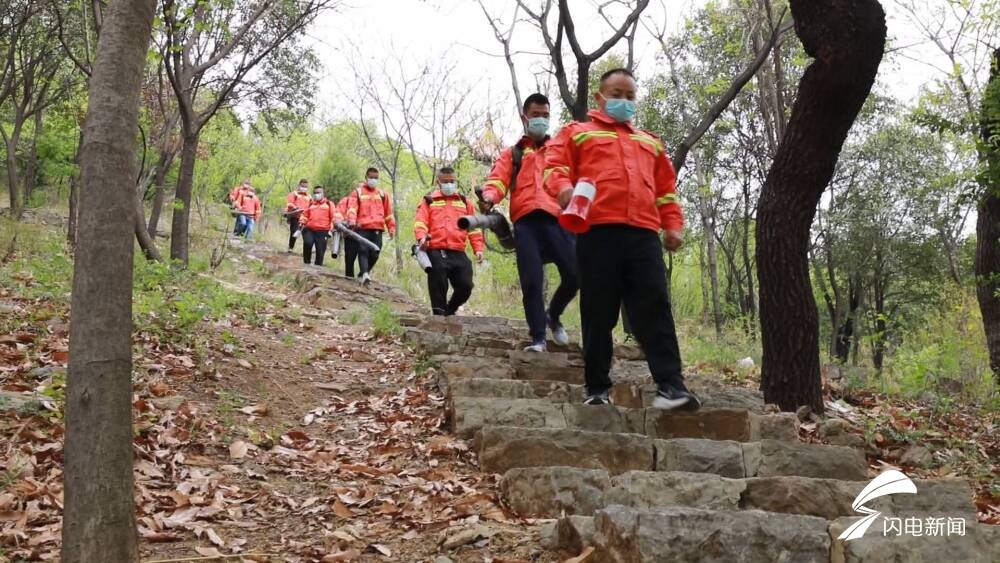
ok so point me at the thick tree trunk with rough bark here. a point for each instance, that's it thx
(182, 201)
(846, 39)
(988, 221)
(99, 516)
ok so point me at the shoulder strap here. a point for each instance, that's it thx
(517, 155)
(428, 199)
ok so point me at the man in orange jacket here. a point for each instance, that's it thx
(369, 212)
(317, 221)
(436, 230)
(350, 246)
(296, 202)
(538, 238)
(234, 197)
(248, 212)
(620, 257)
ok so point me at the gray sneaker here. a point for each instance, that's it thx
(597, 399)
(559, 334)
(669, 398)
(536, 347)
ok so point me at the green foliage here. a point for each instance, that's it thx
(171, 303)
(168, 302)
(384, 321)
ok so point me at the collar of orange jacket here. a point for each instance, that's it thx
(438, 194)
(605, 119)
(528, 142)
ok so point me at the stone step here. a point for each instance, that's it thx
(696, 535)
(509, 384)
(885, 541)
(554, 491)
(505, 447)
(437, 337)
(980, 544)
(467, 415)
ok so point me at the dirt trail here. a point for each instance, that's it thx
(298, 437)
(345, 457)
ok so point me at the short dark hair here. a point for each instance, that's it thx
(370, 170)
(534, 99)
(303, 181)
(318, 187)
(446, 170)
(615, 71)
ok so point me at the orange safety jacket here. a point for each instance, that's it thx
(636, 182)
(370, 208)
(528, 192)
(249, 203)
(437, 216)
(319, 216)
(236, 193)
(297, 200)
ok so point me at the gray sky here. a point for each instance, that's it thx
(421, 30)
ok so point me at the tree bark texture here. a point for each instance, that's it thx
(846, 39)
(99, 517)
(181, 218)
(988, 220)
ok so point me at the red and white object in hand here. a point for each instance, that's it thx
(574, 217)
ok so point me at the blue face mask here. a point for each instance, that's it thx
(373, 182)
(538, 127)
(620, 109)
(449, 188)
(318, 196)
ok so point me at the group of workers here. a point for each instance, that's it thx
(618, 260)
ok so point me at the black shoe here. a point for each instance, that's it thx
(669, 398)
(602, 398)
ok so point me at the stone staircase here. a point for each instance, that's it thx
(731, 482)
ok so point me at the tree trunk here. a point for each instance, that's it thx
(159, 195)
(74, 196)
(99, 516)
(13, 184)
(846, 39)
(988, 221)
(146, 242)
(31, 166)
(708, 226)
(180, 221)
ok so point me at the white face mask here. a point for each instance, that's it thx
(303, 189)
(372, 182)
(449, 188)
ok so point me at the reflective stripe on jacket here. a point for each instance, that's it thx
(636, 182)
(529, 193)
(370, 208)
(319, 216)
(439, 219)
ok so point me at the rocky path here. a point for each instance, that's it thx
(626, 483)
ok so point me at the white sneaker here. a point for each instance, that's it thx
(559, 334)
(536, 347)
(366, 280)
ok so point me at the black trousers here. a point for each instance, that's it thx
(622, 263)
(312, 238)
(350, 255)
(539, 240)
(447, 266)
(293, 225)
(367, 258)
